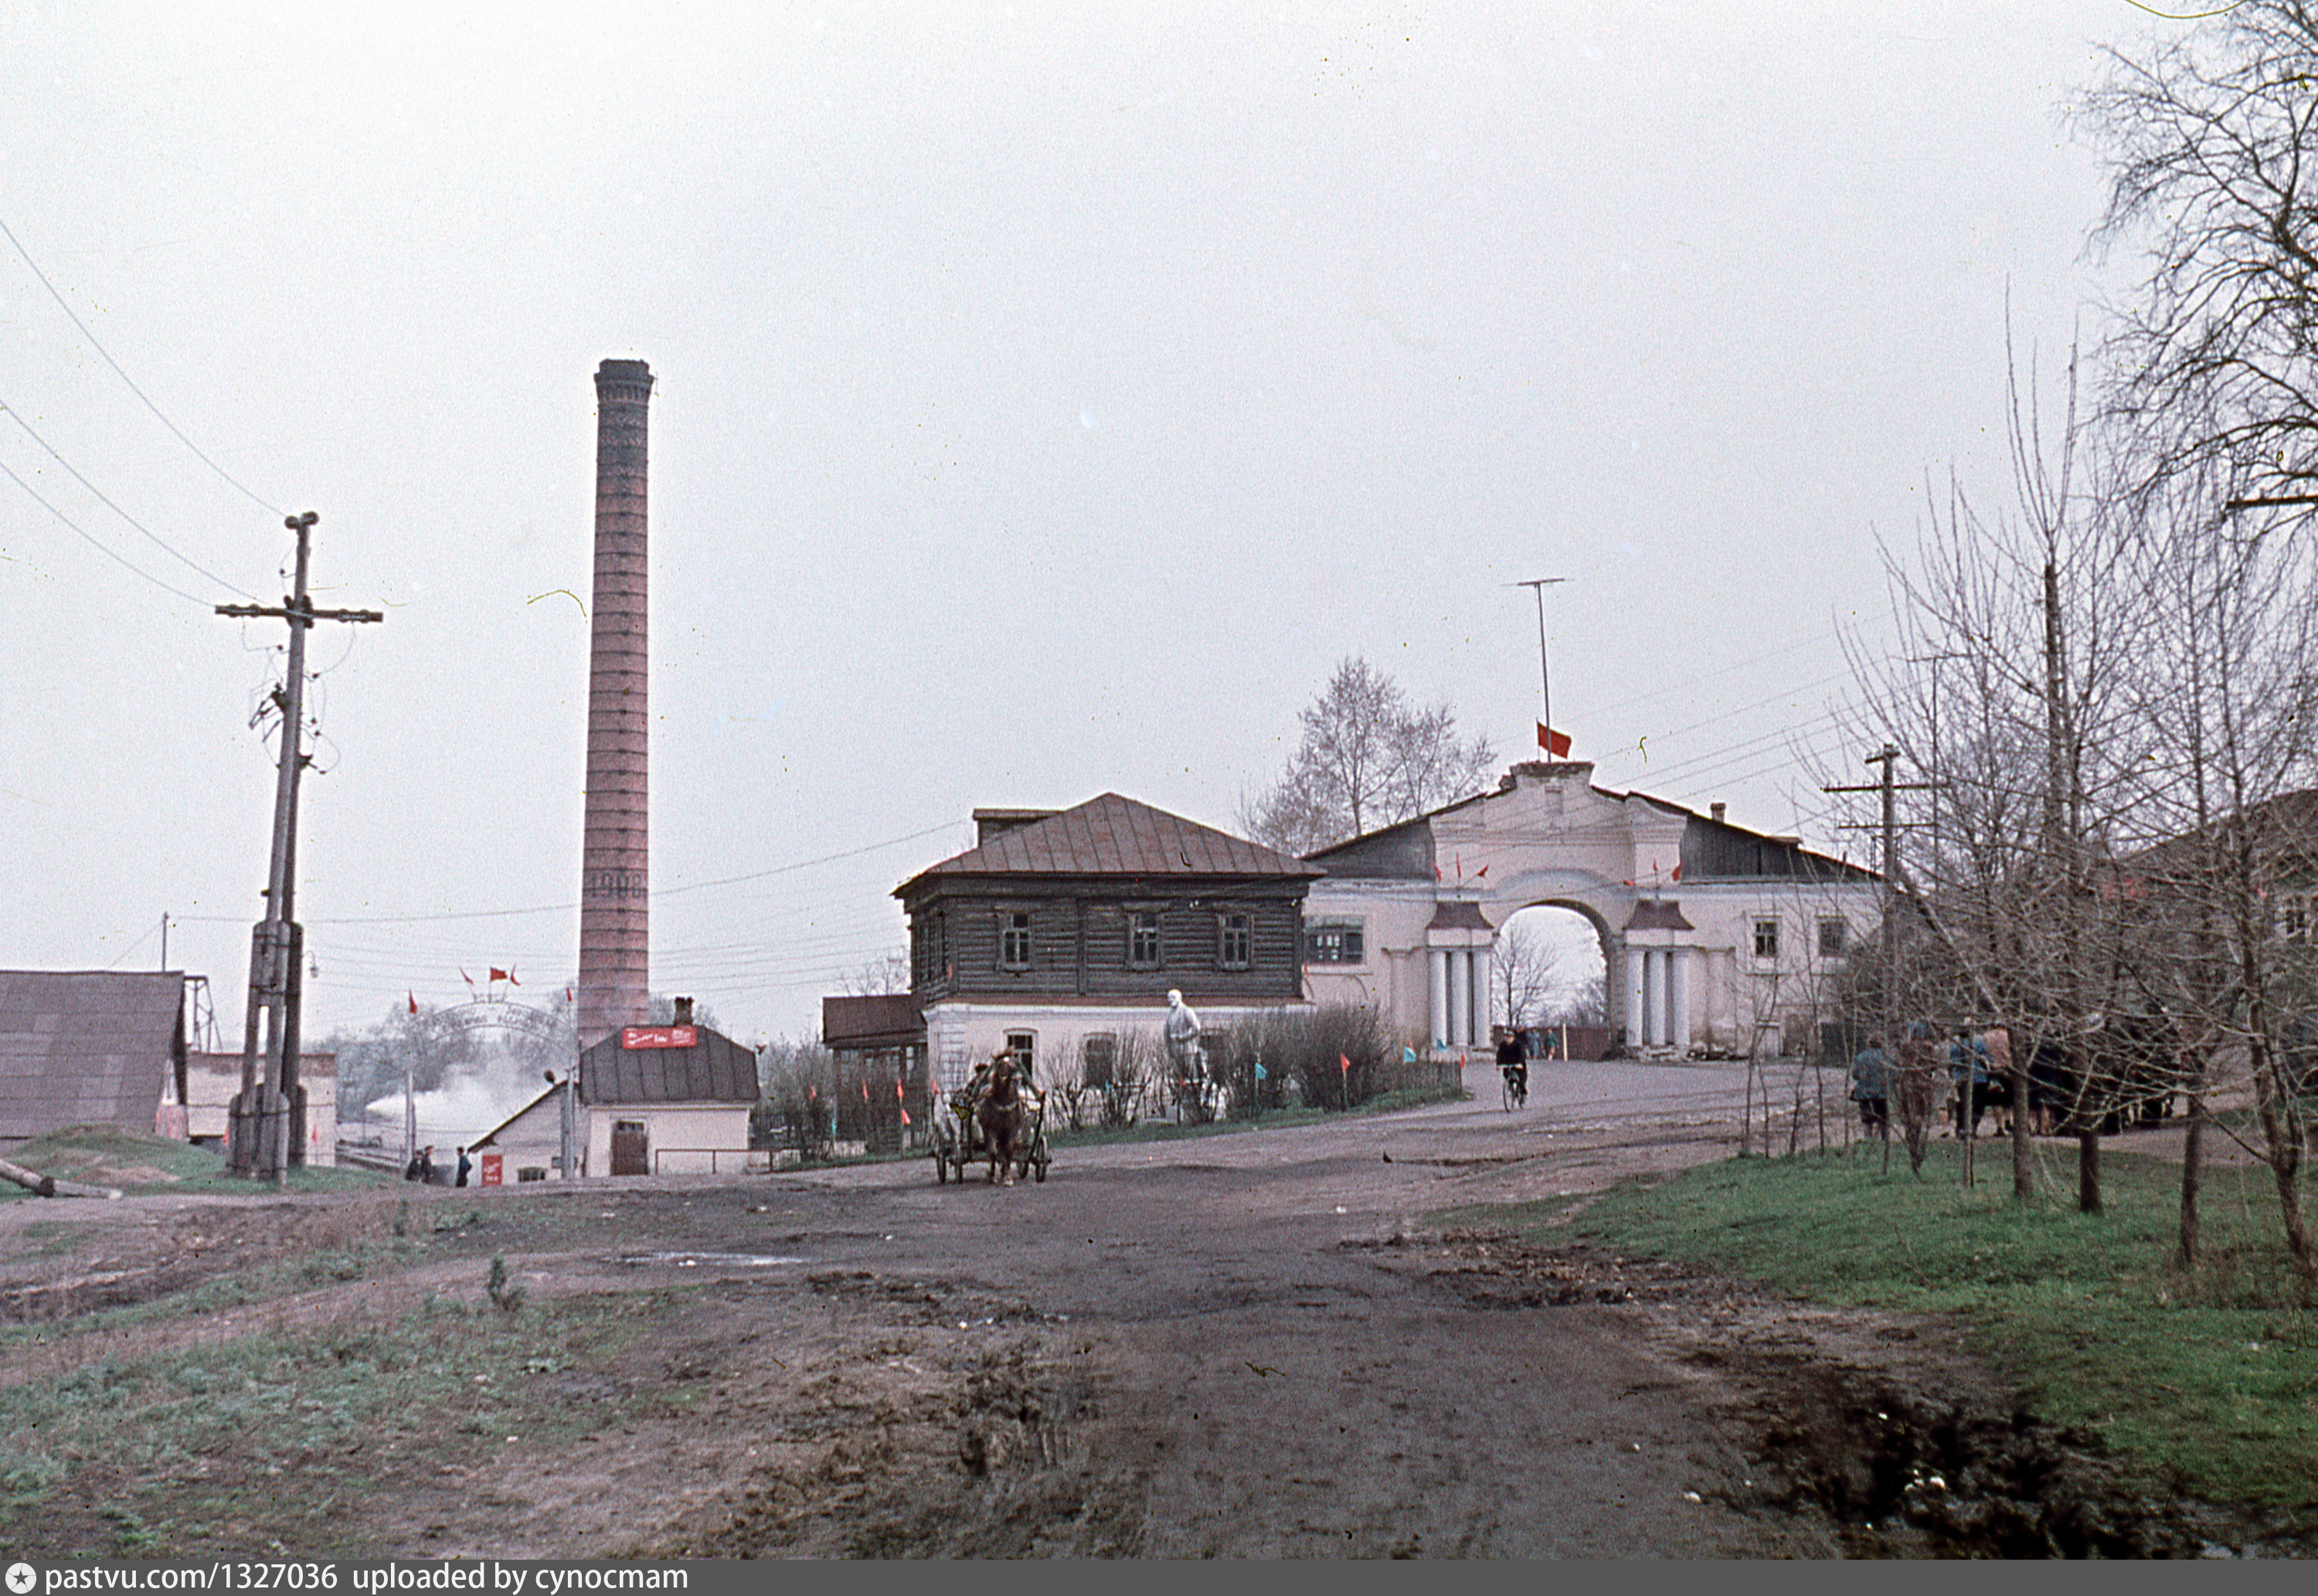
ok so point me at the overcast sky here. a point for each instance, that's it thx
(1048, 396)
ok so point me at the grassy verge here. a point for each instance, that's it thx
(105, 1155)
(270, 1439)
(2211, 1374)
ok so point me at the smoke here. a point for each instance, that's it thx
(471, 1099)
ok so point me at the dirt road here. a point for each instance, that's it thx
(1245, 1345)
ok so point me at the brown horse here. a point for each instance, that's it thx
(1004, 1117)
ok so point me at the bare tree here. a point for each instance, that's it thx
(1368, 758)
(886, 974)
(1524, 967)
(2213, 135)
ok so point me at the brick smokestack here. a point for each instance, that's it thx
(615, 866)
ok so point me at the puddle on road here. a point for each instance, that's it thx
(689, 1260)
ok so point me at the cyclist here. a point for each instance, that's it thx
(1513, 1058)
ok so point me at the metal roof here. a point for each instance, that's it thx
(886, 1017)
(87, 1048)
(1114, 836)
(715, 1068)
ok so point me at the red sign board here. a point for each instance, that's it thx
(660, 1037)
(494, 1168)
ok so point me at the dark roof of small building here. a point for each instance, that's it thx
(881, 1019)
(1658, 914)
(87, 1047)
(1458, 914)
(715, 1069)
(1114, 836)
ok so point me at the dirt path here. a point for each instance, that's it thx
(1249, 1345)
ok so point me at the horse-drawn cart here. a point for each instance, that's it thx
(958, 1145)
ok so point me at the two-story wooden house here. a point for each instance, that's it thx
(1063, 931)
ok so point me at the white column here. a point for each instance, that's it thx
(1438, 958)
(1484, 974)
(1635, 985)
(1678, 999)
(1659, 961)
(1461, 996)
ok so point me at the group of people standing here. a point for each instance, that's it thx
(423, 1169)
(1980, 1072)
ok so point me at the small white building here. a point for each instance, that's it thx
(1715, 938)
(646, 1100)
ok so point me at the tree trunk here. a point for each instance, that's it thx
(2089, 1182)
(2193, 1176)
(49, 1186)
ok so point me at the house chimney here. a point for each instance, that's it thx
(614, 875)
(1716, 810)
(683, 1011)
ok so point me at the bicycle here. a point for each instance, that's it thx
(1516, 1090)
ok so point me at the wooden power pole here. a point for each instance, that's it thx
(266, 1122)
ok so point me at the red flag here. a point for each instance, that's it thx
(570, 996)
(1483, 871)
(1556, 744)
(467, 978)
(865, 1088)
(1677, 873)
(498, 974)
(1345, 1065)
(414, 1001)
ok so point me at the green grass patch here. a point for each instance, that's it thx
(269, 1438)
(2210, 1373)
(135, 1161)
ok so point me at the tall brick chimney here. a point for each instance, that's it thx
(615, 865)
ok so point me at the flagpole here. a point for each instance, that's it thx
(1544, 677)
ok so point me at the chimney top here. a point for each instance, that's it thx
(683, 1011)
(623, 371)
(1716, 810)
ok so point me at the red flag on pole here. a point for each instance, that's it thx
(900, 1101)
(414, 1001)
(1343, 1064)
(498, 974)
(1556, 744)
(467, 978)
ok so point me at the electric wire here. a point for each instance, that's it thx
(107, 550)
(65, 306)
(101, 497)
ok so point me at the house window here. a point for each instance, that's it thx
(1767, 939)
(1014, 940)
(1332, 942)
(1235, 941)
(1099, 1059)
(1834, 938)
(1025, 1047)
(2294, 917)
(1142, 939)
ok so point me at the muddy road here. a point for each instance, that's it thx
(1245, 1345)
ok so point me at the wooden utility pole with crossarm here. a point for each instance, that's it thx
(267, 1122)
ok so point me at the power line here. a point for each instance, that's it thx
(62, 304)
(158, 542)
(101, 547)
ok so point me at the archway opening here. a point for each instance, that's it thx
(1549, 970)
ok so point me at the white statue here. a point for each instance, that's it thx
(1182, 1034)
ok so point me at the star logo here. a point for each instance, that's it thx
(20, 1578)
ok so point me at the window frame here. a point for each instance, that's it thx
(1015, 924)
(1346, 935)
(1146, 945)
(1840, 939)
(1766, 947)
(1234, 939)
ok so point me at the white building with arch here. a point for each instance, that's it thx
(1715, 938)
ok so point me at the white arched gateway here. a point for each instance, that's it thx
(1715, 938)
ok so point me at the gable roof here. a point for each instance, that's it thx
(715, 1069)
(1110, 835)
(87, 1047)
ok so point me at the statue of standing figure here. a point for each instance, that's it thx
(1186, 1060)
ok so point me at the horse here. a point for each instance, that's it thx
(1004, 1117)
